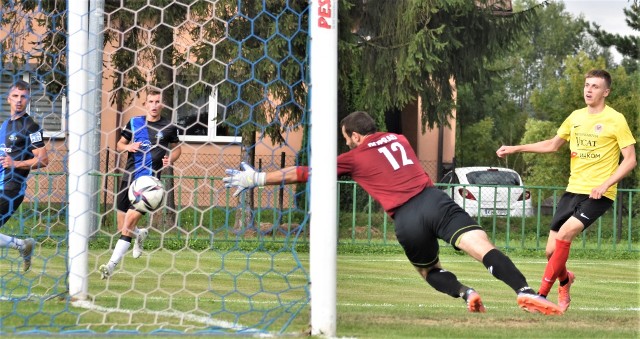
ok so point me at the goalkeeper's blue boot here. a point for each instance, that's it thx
(474, 302)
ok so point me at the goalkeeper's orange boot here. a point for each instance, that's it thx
(564, 299)
(474, 302)
(535, 303)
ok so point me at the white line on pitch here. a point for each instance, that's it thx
(180, 315)
(446, 260)
(385, 305)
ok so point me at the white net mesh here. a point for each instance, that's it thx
(232, 76)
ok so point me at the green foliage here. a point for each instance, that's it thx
(255, 61)
(418, 47)
(49, 47)
(541, 52)
(481, 101)
(480, 144)
(550, 169)
(505, 93)
(628, 46)
(555, 101)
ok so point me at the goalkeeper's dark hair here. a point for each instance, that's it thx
(360, 122)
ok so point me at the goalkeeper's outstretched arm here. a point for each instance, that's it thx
(247, 177)
(287, 175)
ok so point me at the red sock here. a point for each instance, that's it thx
(563, 275)
(556, 265)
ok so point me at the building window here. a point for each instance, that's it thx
(194, 115)
(47, 109)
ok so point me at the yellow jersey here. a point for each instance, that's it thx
(595, 141)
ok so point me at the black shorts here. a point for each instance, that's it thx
(10, 200)
(427, 217)
(123, 203)
(581, 207)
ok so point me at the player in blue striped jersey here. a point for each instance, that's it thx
(151, 143)
(21, 149)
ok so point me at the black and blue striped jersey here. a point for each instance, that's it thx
(155, 137)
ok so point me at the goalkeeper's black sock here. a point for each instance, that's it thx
(503, 268)
(446, 282)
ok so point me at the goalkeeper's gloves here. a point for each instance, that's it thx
(243, 179)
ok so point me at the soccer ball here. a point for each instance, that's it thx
(146, 193)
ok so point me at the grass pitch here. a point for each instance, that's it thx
(379, 296)
(383, 297)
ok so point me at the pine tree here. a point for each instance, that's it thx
(400, 50)
(628, 46)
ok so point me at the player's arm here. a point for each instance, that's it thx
(125, 145)
(249, 178)
(36, 146)
(627, 165)
(287, 175)
(40, 160)
(173, 154)
(545, 146)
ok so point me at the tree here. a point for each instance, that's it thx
(628, 46)
(397, 51)
(480, 144)
(49, 48)
(541, 53)
(533, 62)
(259, 94)
(477, 103)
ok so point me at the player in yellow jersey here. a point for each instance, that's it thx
(597, 135)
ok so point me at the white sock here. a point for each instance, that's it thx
(122, 246)
(11, 242)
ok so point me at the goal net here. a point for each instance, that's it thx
(233, 77)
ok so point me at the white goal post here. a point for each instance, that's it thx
(323, 16)
(79, 163)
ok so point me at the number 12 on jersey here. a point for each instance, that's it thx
(395, 147)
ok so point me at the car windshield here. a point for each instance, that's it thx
(493, 178)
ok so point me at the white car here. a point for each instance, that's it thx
(488, 191)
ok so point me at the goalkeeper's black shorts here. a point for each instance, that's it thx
(427, 217)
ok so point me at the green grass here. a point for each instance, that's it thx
(379, 296)
(383, 297)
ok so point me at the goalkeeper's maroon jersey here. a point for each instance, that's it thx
(387, 168)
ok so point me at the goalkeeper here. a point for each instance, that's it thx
(385, 165)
